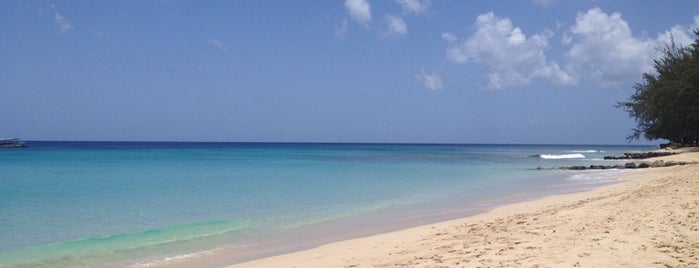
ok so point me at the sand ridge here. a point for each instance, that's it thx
(650, 221)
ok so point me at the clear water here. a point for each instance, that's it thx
(73, 204)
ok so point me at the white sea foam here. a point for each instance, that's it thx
(174, 259)
(561, 156)
(598, 176)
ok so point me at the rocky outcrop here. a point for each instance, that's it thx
(643, 165)
(630, 165)
(643, 155)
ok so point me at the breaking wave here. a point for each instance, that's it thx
(560, 156)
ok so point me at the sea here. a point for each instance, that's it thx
(152, 204)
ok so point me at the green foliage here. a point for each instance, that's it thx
(666, 103)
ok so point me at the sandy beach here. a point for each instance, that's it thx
(650, 220)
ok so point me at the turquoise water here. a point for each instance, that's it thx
(72, 204)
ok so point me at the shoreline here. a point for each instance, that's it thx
(375, 223)
(589, 228)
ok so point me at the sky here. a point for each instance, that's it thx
(403, 71)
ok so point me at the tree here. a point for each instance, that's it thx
(666, 103)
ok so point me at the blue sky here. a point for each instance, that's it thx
(541, 71)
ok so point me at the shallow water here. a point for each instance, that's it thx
(108, 204)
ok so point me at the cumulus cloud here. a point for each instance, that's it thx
(603, 48)
(395, 26)
(600, 47)
(512, 58)
(415, 6)
(681, 35)
(360, 11)
(431, 81)
(64, 24)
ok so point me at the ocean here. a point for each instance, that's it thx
(144, 204)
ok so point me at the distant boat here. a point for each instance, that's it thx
(12, 143)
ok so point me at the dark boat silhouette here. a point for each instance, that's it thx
(12, 143)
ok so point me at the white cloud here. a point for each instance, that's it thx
(683, 36)
(430, 81)
(513, 59)
(217, 44)
(454, 52)
(359, 10)
(415, 6)
(395, 26)
(64, 24)
(603, 48)
(566, 39)
(679, 34)
(450, 37)
(341, 29)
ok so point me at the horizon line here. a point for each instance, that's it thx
(347, 143)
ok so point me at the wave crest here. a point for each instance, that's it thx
(561, 156)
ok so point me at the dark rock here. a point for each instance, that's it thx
(588, 167)
(615, 157)
(630, 165)
(643, 155)
(573, 168)
(671, 145)
(643, 165)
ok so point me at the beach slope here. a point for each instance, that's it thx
(649, 221)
